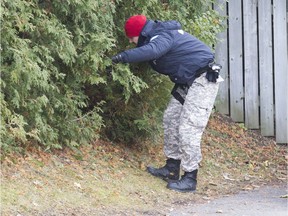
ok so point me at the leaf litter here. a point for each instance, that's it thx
(108, 179)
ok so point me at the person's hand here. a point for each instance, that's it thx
(116, 58)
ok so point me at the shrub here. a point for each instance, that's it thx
(48, 55)
(55, 55)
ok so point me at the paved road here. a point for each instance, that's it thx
(266, 201)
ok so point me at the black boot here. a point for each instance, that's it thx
(169, 172)
(187, 183)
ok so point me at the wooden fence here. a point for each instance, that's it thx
(253, 53)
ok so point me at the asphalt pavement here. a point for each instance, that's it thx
(265, 201)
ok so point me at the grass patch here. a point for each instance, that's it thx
(110, 179)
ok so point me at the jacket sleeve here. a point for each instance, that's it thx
(153, 50)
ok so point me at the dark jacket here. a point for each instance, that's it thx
(170, 51)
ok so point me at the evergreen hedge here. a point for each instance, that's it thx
(56, 85)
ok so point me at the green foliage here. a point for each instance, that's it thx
(48, 54)
(55, 56)
(128, 80)
(140, 117)
(207, 25)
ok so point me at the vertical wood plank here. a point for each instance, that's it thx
(251, 64)
(266, 68)
(280, 67)
(221, 56)
(236, 60)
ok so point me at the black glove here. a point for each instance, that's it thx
(212, 76)
(117, 58)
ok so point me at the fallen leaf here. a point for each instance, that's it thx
(226, 176)
(247, 188)
(77, 185)
(80, 177)
(246, 178)
(37, 183)
(212, 183)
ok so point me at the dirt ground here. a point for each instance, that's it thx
(111, 179)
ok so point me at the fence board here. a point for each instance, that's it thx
(221, 56)
(280, 67)
(266, 68)
(251, 64)
(235, 60)
(257, 62)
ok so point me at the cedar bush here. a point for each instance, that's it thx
(56, 89)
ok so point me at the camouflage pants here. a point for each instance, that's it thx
(185, 124)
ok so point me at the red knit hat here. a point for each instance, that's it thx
(134, 25)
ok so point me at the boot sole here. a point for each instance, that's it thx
(163, 178)
(182, 191)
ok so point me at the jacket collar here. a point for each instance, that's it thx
(149, 26)
(146, 32)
